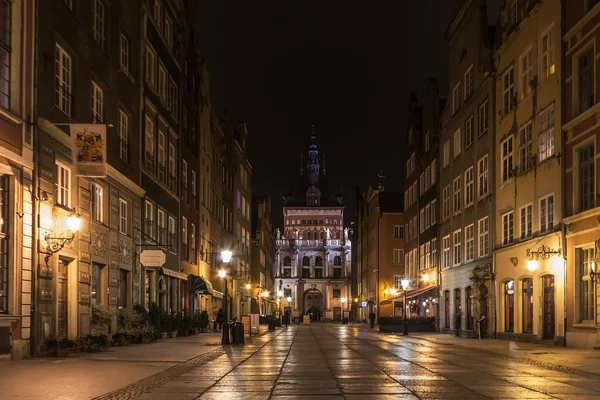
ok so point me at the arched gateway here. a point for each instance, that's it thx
(313, 304)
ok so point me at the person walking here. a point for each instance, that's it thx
(458, 323)
(220, 318)
(286, 318)
(372, 318)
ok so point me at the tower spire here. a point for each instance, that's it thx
(381, 177)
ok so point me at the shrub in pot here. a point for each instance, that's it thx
(165, 325)
(175, 324)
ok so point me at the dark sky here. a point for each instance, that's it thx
(345, 66)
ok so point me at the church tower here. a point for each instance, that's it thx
(313, 168)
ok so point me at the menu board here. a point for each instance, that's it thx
(247, 323)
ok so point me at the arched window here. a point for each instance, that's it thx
(318, 262)
(527, 285)
(457, 306)
(305, 261)
(303, 222)
(309, 235)
(287, 261)
(309, 222)
(322, 235)
(469, 298)
(509, 306)
(321, 222)
(315, 222)
(337, 261)
(447, 309)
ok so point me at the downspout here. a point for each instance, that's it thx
(32, 126)
(562, 181)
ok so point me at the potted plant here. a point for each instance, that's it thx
(204, 321)
(175, 324)
(59, 346)
(165, 325)
(146, 332)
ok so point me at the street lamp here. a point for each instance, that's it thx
(56, 244)
(404, 287)
(226, 257)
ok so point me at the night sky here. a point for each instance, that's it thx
(346, 67)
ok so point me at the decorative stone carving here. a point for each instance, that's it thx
(99, 244)
(124, 253)
(85, 194)
(84, 256)
(45, 271)
(84, 277)
(84, 298)
(114, 245)
(46, 173)
(45, 294)
(84, 235)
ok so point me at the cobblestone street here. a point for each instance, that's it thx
(317, 361)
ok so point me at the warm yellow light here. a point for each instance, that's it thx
(344, 299)
(265, 294)
(226, 256)
(532, 265)
(393, 291)
(222, 273)
(279, 293)
(426, 278)
(385, 292)
(248, 286)
(356, 299)
(289, 299)
(593, 266)
(405, 284)
(73, 223)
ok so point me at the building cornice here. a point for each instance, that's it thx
(581, 117)
(16, 157)
(125, 181)
(582, 215)
(583, 21)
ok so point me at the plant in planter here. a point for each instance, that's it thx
(165, 325)
(93, 343)
(175, 324)
(59, 346)
(146, 332)
(154, 316)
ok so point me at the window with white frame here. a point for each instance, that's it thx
(585, 265)
(470, 242)
(427, 216)
(483, 117)
(398, 231)
(97, 103)
(98, 21)
(193, 183)
(482, 176)
(456, 242)
(508, 85)
(456, 190)
(507, 228)
(97, 203)
(456, 98)
(427, 255)
(171, 228)
(469, 187)
(457, 143)
(586, 79)
(151, 59)
(63, 69)
(446, 158)
(163, 82)
(547, 53)
(421, 257)
(547, 214)
(586, 177)
(446, 202)
(469, 131)
(123, 216)
(123, 136)
(173, 97)
(525, 146)
(525, 214)
(484, 236)
(184, 235)
(546, 133)
(432, 210)
(421, 220)
(507, 159)
(124, 54)
(398, 256)
(63, 185)
(168, 31)
(469, 82)
(525, 71)
(446, 252)
(149, 219)
(434, 261)
(193, 243)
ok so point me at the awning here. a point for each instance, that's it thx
(200, 285)
(217, 294)
(174, 274)
(414, 293)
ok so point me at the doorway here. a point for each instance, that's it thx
(313, 303)
(62, 297)
(548, 285)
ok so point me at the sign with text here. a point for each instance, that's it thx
(88, 143)
(153, 258)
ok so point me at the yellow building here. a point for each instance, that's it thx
(528, 258)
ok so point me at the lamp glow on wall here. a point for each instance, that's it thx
(56, 244)
(425, 278)
(543, 252)
(226, 256)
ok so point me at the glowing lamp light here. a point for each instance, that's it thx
(226, 256)
(424, 304)
(393, 291)
(532, 265)
(356, 299)
(248, 286)
(265, 294)
(289, 299)
(343, 299)
(73, 223)
(279, 293)
(385, 291)
(222, 273)
(405, 284)
(426, 278)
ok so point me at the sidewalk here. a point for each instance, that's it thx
(554, 357)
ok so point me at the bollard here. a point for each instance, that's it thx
(225, 338)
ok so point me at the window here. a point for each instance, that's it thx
(525, 69)
(123, 288)
(525, 219)
(162, 156)
(97, 203)
(427, 255)
(483, 117)
(547, 214)
(173, 99)
(172, 229)
(469, 82)
(149, 219)
(433, 212)
(470, 300)
(507, 228)
(446, 251)
(5, 52)
(398, 231)
(158, 13)
(422, 220)
(527, 304)
(484, 236)
(184, 238)
(587, 199)
(508, 82)
(482, 176)
(507, 159)
(168, 31)
(98, 21)
(62, 72)
(161, 236)
(398, 256)
(4, 245)
(447, 309)
(469, 132)
(456, 184)
(586, 80)
(63, 185)
(525, 136)
(456, 240)
(151, 66)
(162, 82)
(172, 167)
(337, 261)
(509, 306)
(469, 187)
(470, 242)
(337, 293)
(457, 143)
(123, 136)
(124, 54)
(456, 98)
(457, 303)
(584, 261)
(547, 62)
(193, 179)
(513, 10)
(97, 103)
(446, 160)
(123, 216)
(546, 133)
(184, 179)
(97, 283)
(446, 200)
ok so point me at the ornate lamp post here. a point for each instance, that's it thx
(404, 287)
(56, 244)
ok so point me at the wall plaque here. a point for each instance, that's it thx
(45, 294)
(45, 271)
(84, 277)
(85, 194)
(85, 256)
(84, 297)
(112, 300)
(84, 235)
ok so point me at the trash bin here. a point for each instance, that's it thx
(272, 324)
(237, 333)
